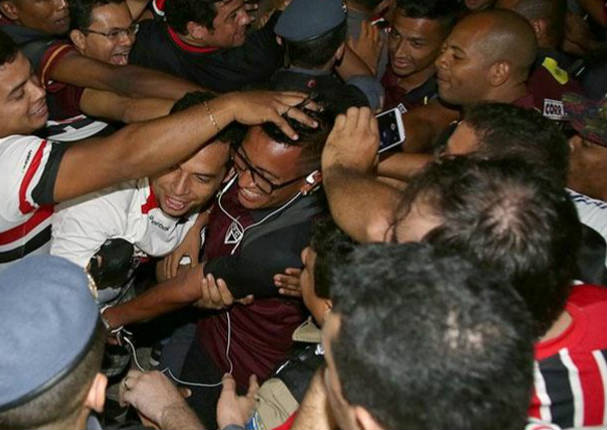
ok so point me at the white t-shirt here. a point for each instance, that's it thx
(592, 212)
(128, 211)
(28, 169)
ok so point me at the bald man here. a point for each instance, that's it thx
(549, 78)
(486, 57)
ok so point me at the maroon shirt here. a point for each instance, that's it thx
(260, 332)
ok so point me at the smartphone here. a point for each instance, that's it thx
(391, 129)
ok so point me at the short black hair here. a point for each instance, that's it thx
(8, 49)
(332, 246)
(446, 11)
(81, 11)
(60, 404)
(507, 131)
(316, 52)
(232, 134)
(312, 140)
(508, 219)
(428, 339)
(179, 12)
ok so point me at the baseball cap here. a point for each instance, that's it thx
(49, 318)
(307, 19)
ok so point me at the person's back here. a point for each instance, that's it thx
(314, 34)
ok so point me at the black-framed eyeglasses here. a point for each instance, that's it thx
(264, 184)
(116, 33)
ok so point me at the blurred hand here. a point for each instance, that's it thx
(232, 408)
(353, 142)
(216, 295)
(288, 282)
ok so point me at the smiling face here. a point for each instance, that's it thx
(414, 44)
(109, 48)
(462, 68)
(47, 16)
(230, 25)
(192, 183)
(275, 162)
(22, 100)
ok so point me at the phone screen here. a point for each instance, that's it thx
(391, 133)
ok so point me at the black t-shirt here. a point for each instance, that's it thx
(221, 70)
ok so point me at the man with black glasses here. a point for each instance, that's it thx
(257, 228)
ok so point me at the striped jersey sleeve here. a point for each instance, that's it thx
(28, 168)
(570, 372)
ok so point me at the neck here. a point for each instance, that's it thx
(558, 328)
(507, 94)
(193, 41)
(417, 79)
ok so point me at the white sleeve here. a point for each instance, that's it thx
(82, 225)
(23, 160)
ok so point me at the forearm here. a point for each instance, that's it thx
(127, 80)
(180, 417)
(314, 411)
(165, 297)
(403, 166)
(141, 149)
(109, 105)
(349, 193)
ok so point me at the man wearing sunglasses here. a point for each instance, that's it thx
(257, 228)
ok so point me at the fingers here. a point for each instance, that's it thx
(301, 117)
(229, 383)
(224, 293)
(253, 387)
(246, 300)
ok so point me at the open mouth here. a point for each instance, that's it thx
(120, 59)
(174, 204)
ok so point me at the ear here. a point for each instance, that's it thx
(10, 10)
(196, 31)
(499, 73)
(312, 182)
(575, 142)
(279, 40)
(78, 39)
(365, 420)
(95, 399)
(339, 54)
(539, 28)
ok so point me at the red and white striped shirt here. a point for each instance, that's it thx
(571, 370)
(28, 169)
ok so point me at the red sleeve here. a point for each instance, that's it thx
(52, 56)
(288, 423)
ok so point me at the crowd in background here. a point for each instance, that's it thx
(203, 223)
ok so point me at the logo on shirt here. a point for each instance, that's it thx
(554, 109)
(234, 234)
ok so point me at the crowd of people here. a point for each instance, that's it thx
(200, 228)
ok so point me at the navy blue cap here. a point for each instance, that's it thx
(308, 19)
(49, 317)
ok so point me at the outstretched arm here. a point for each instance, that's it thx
(361, 205)
(133, 81)
(142, 149)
